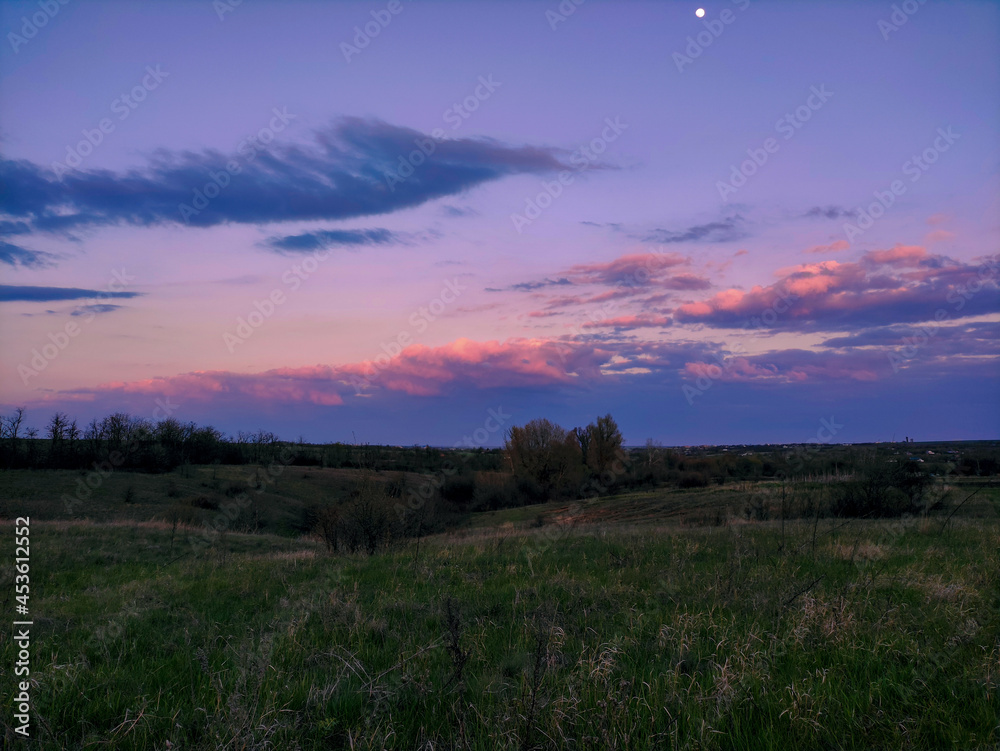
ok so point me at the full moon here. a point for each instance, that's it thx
(700, 12)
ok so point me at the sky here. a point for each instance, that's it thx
(412, 222)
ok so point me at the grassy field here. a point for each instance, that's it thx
(615, 624)
(191, 494)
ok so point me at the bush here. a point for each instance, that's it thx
(396, 487)
(880, 487)
(495, 493)
(529, 491)
(693, 480)
(459, 490)
(203, 501)
(327, 524)
(237, 488)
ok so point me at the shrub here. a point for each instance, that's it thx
(693, 480)
(203, 501)
(494, 493)
(529, 491)
(879, 487)
(459, 490)
(236, 488)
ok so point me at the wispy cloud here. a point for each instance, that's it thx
(15, 255)
(12, 293)
(95, 309)
(340, 174)
(829, 212)
(458, 211)
(729, 229)
(326, 238)
(833, 247)
(528, 286)
(628, 322)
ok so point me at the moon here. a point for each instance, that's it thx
(700, 12)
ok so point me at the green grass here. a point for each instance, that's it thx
(628, 636)
(189, 493)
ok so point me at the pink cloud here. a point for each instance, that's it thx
(899, 284)
(274, 386)
(831, 248)
(641, 321)
(418, 370)
(792, 366)
(899, 255)
(940, 236)
(635, 268)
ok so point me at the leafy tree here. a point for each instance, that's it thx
(545, 453)
(604, 444)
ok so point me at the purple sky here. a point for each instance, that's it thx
(257, 239)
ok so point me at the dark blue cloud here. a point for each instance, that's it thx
(729, 229)
(829, 212)
(725, 230)
(325, 238)
(11, 293)
(99, 308)
(14, 228)
(353, 168)
(968, 339)
(457, 211)
(15, 255)
(527, 286)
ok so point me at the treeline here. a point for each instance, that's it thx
(123, 441)
(543, 461)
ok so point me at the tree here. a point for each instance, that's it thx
(583, 436)
(57, 432)
(368, 522)
(545, 453)
(604, 444)
(10, 427)
(72, 435)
